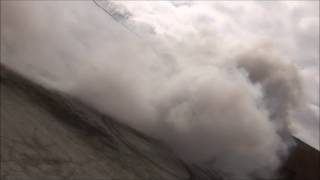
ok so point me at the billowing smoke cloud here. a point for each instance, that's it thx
(279, 80)
(222, 107)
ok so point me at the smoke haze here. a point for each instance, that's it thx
(216, 101)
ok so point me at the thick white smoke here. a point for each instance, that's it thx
(224, 107)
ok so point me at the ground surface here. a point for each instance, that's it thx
(48, 135)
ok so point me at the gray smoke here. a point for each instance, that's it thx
(217, 108)
(279, 80)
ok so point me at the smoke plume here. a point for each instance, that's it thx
(221, 107)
